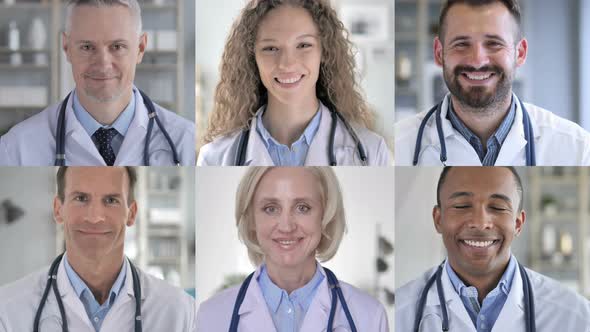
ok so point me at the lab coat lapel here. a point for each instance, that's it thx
(511, 316)
(318, 313)
(123, 310)
(458, 317)
(513, 148)
(254, 311)
(459, 151)
(256, 152)
(79, 148)
(72, 304)
(132, 148)
(317, 154)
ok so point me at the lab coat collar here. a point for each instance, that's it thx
(453, 301)
(513, 309)
(318, 150)
(256, 152)
(254, 311)
(513, 144)
(76, 134)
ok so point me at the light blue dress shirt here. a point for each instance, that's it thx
(281, 154)
(96, 312)
(495, 141)
(91, 125)
(288, 310)
(484, 317)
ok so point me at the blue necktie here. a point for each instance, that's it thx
(104, 137)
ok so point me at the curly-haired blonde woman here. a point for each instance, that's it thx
(288, 94)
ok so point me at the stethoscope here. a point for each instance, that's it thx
(526, 122)
(60, 146)
(243, 142)
(529, 303)
(52, 283)
(333, 284)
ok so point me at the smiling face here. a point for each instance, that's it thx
(478, 218)
(288, 54)
(95, 210)
(103, 46)
(479, 53)
(287, 209)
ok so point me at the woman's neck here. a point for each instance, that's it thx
(286, 122)
(291, 278)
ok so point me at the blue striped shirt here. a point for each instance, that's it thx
(495, 141)
(484, 317)
(281, 154)
(95, 311)
(288, 310)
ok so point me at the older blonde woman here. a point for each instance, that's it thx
(288, 95)
(289, 219)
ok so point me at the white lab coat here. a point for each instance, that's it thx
(558, 142)
(32, 142)
(556, 308)
(215, 314)
(164, 308)
(222, 151)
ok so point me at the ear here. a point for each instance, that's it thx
(57, 216)
(65, 45)
(521, 52)
(438, 51)
(143, 40)
(436, 217)
(132, 214)
(520, 220)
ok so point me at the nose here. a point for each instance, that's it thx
(287, 223)
(479, 56)
(102, 57)
(95, 213)
(481, 218)
(287, 59)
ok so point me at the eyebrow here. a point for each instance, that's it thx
(109, 42)
(77, 192)
(275, 200)
(487, 36)
(299, 37)
(470, 194)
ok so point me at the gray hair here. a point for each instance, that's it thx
(133, 6)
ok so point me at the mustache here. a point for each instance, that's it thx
(461, 69)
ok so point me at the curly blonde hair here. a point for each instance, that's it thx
(240, 92)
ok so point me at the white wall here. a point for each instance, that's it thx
(417, 245)
(368, 198)
(29, 243)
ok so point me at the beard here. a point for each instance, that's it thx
(479, 98)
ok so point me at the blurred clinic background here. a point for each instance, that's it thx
(365, 258)
(161, 242)
(34, 71)
(371, 28)
(556, 75)
(556, 236)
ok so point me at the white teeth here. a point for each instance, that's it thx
(479, 77)
(478, 244)
(289, 81)
(287, 242)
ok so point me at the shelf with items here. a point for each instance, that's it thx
(558, 219)
(163, 216)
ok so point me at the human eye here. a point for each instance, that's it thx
(305, 45)
(111, 200)
(119, 47)
(269, 49)
(80, 198)
(270, 209)
(461, 206)
(86, 47)
(303, 208)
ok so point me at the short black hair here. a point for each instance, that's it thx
(517, 181)
(512, 6)
(60, 178)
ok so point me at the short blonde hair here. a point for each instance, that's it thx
(333, 220)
